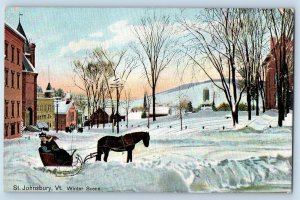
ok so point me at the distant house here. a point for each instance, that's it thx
(160, 111)
(99, 117)
(66, 114)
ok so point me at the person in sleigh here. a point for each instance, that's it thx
(48, 145)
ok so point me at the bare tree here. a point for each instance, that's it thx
(182, 106)
(119, 68)
(212, 40)
(84, 84)
(154, 49)
(281, 26)
(251, 46)
(127, 104)
(148, 109)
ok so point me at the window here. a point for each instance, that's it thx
(18, 108)
(72, 116)
(6, 130)
(12, 54)
(6, 109)
(13, 131)
(6, 77)
(12, 79)
(6, 50)
(205, 94)
(18, 56)
(18, 80)
(18, 127)
(12, 109)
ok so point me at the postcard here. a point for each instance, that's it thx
(193, 100)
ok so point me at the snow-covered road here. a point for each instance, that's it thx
(249, 157)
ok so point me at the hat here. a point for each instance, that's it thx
(42, 134)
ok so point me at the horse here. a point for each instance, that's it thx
(120, 144)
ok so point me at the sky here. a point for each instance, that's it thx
(62, 35)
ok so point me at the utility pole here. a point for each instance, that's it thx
(56, 101)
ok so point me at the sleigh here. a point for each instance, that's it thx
(48, 159)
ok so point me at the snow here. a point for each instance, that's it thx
(63, 106)
(194, 93)
(14, 30)
(161, 110)
(201, 158)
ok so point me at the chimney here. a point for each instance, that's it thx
(32, 53)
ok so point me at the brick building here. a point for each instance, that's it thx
(66, 113)
(29, 81)
(13, 59)
(271, 82)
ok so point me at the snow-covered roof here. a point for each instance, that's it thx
(41, 125)
(27, 66)
(15, 30)
(160, 110)
(63, 107)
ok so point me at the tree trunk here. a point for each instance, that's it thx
(118, 129)
(263, 101)
(127, 118)
(287, 103)
(180, 120)
(280, 105)
(257, 93)
(233, 117)
(153, 103)
(248, 102)
(148, 116)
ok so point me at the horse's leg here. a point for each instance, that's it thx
(106, 155)
(98, 156)
(99, 152)
(127, 157)
(130, 155)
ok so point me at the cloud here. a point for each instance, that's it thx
(97, 34)
(121, 34)
(120, 31)
(75, 46)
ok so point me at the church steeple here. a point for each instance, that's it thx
(20, 28)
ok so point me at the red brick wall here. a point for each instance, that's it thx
(270, 84)
(29, 95)
(12, 94)
(61, 122)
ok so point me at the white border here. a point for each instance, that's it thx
(158, 3)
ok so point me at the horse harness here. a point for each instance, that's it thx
(125, 143)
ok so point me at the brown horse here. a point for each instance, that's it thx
(123, 143)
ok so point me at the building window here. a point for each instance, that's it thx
(6, 77)
(6, 109)
(18, 56)
(13, 131)
(6, 50)
(12, 109)
(12, 54)
(205, 94)
(6, 130)
(12, 79)
(18, 108)
(18, 127)
(18, 81)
